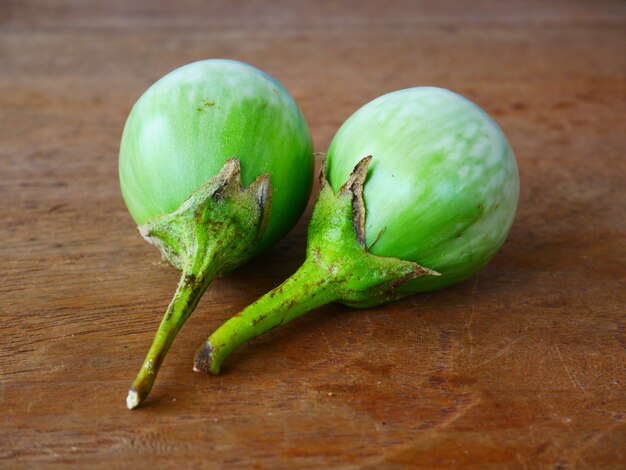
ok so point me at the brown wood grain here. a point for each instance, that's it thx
(522, 366)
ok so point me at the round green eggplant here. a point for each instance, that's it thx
(216, 164)
(186, 126)
(442, 186)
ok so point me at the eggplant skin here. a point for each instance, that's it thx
(443, 185)
(185, 126)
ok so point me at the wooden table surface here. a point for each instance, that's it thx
(521, 366)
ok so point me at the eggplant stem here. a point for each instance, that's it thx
(309, 287)
(185, 300)
(213, 231)
(338, 267)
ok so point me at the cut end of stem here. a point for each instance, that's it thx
(203, 361)
(132, 400)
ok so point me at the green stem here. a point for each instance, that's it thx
(213, 231)
(338, 267)
(311, 286)
(185, 300)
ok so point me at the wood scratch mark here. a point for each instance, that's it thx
(376, 461)
(468, 326)
(502, 351)
(456, 416)
(572, 376)
(372, 330)
(330, 346)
